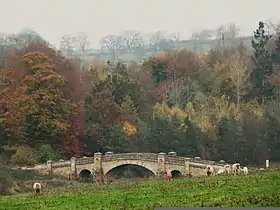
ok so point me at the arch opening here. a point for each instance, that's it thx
(85, 175)
(130, 171)
(176, 174)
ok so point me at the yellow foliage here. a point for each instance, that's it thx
(129, 129)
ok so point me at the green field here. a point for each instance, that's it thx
(258, 190)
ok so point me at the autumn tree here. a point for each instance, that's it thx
(239, 73)
(37, 112)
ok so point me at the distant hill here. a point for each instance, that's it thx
(138, 54)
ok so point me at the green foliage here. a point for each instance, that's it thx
(194, 104)
(24, 156)
(45, 153)
(6, 182)
(261, 89)
(257, 190)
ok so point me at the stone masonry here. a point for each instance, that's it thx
(101, 164)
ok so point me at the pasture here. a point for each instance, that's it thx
(254, 190)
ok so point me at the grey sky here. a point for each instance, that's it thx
(53, 18)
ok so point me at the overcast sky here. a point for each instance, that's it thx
(53, 18)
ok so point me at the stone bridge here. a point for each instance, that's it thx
(102, 164)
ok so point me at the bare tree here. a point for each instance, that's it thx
(132, 39)
(227, 33)
(67, 44)
(157, 39)
(240, 74)
(113, 44)
(175, 38)
(272, 27)
(205, 34)
(82, 42)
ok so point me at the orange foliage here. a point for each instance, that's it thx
(129, 129)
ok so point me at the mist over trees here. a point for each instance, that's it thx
(222, 104)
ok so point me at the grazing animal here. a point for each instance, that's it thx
(227, 169)
(166, 177)
(37, 188)
(236, 168)
(245, 170)
(221, 171)
(190, 175)
(209, 170)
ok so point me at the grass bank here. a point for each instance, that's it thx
(258, 190)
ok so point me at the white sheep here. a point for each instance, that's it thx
(245, 170)
(221, 171)
(209, 170)
(37, 188)
(227, 169)
(236, 168)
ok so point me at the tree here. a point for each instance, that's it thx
(67, 44)
(37, 112)
(157, 40)
(240, 74)
(261, 89)
(113, 44)
(132, 39)
(101, 112)
(82, 42)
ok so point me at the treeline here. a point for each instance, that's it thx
(220, 105)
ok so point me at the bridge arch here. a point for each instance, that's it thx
(109, 166)
(176, 174)
(85, 174)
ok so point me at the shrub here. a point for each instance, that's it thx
(45, 153)
(6, 182)
(24, 156)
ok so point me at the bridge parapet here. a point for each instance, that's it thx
(130, 156)
(61, 164)
(175, 160)
(84, 160)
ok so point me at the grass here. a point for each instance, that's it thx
(256, 190)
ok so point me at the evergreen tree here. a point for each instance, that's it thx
(261, 89)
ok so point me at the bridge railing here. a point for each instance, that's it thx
(175, 160)
(84, 160)
(61, 164)
(130, 156)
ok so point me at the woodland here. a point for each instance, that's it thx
(219, 105)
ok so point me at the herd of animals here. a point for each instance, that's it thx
(235, 169)
(227, 169)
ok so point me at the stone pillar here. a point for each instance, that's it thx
(49, 166)
(187, 165)
(161, 164)
(73, 168)
(97, 165)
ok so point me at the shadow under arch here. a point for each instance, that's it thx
(176, 174)
(85, 175)
(129, 171)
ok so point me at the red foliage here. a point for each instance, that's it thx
(76, 85)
